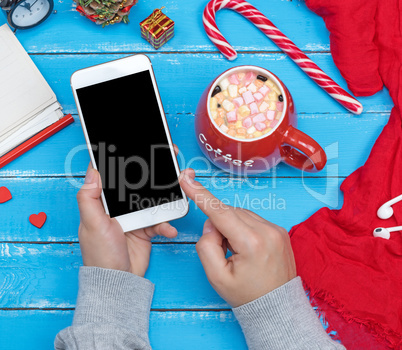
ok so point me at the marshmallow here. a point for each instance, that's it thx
(247, 122)
(263, 106)
(232, 132)
(213, 104)
(260, 126)
(238, 101)
(242, 90)
(241, 75)
(264, 90)
(232, 90)
(219, 97)
(221, 113)
(243, 111)
(245, 106)
(258, 83)
(253, 108)
(231, 116)
(259, 118)
(224, 84)
(252, 88)
(276, 89)
(228, 106)
(233, 79)
(241, 131)
(224, 128)
(258, 96)
(219, 121)
(271, 115)
(272, 95)
(248, 97)
(250, 76)
(272, 106)
(251, 130)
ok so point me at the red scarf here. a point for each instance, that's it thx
(354, 278)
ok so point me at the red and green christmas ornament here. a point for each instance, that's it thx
(105, 12)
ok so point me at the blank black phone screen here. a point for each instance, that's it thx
(129, 143)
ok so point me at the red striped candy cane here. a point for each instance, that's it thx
(282, 41)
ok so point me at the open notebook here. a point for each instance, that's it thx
(28, 107)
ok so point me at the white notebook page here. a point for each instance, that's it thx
(23, 90)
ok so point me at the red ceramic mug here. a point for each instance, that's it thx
(283, 142)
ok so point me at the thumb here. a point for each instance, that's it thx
(211, 252)
(88, 198)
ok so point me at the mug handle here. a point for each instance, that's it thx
(295, 142)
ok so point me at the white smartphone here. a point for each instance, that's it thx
(129, 142)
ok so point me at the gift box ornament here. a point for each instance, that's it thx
(105, 12)
(157, 29)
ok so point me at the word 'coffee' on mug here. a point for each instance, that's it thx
(227, 157)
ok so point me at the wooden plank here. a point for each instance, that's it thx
(181, 113)
(46, 276)
(285, 201)
(347, 140)
(67, 31)
(182, 96)
(36, 329)
(196, 330)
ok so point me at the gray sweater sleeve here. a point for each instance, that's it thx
(283, 319)
(112, 312)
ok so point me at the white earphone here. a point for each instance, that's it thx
(385, 212)
(385, 232)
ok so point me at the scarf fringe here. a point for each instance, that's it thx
(379, 332)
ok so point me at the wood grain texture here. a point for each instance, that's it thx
(190, 82)
(285, 201)
(67, 31)
(347, 140)
(212, 330)
(36, 274)
(180, 109)
(46, 276)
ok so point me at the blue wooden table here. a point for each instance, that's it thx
(38, 267)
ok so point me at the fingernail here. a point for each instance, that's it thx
(90, 177)
(189, 179)
(208, 227)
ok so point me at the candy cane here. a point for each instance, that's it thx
(283, 42)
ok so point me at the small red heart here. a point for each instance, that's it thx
(38, 219)
(5, 194)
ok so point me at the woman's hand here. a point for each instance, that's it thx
(102, 240)
(262, 257)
